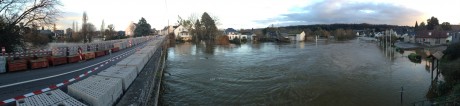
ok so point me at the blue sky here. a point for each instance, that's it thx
(259, 13)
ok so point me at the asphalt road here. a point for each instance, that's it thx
(19, 83)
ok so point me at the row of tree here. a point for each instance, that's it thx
(339, 34)
(433, 24)
(330, 27)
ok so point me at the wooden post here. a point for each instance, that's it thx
(432, 64)
(437, 65)
(402, 90)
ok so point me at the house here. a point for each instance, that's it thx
(59, 33)
(167, 30)
(300, 37)
(247, 35)
(121, 33)
(68, 32)
(431, 37)
(182, 33)
(455, 37)
(130, 29)
(409, 37)
(295, 36)
(231, 33)
(46, 32)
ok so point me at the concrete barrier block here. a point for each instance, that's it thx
(138, 63)
(127, 74)
(124, 62)
(69, 102)
(91, 95)
(54, 97)
(146, 52)
(116, 83)
(97, 90)
(2, 64)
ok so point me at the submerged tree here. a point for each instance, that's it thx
(197, 36)
(209, 27)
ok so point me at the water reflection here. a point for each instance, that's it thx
(300, 73)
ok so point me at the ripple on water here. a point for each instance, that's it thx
(343, 73)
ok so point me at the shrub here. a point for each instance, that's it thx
(452, 51)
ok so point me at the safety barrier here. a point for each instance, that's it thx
(104, 88)
(97, 90)
(127, 74)
(51, 98)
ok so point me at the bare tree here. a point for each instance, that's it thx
(110, 32)
(84, 28)
(26, 12)
(216, 20)
(29, 11)
(90, 32)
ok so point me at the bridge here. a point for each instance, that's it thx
(129, 77)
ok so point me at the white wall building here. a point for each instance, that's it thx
(130, 30)
(182, 32)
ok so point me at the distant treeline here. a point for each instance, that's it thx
(363, 26)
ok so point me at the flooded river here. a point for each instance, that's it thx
(305, 73)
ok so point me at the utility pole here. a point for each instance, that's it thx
(166, 4)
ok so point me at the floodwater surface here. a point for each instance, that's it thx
(301, 73)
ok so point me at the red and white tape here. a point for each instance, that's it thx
(55, 86)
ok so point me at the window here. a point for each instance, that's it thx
(437, 41)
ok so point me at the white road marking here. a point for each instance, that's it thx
(43, 78)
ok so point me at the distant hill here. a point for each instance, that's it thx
(376, 27)
(357, 27)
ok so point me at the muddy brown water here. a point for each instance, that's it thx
(302, 73)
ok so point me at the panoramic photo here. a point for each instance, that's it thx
(229, 52)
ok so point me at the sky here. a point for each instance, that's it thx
(248, 14)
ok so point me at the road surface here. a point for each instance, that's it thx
(23, 82)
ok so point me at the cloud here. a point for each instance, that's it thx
(67, 18)
(342, 11)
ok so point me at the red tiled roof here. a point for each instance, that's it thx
(434, 34)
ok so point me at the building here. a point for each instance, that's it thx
(247, 35)
(167, 30)
(431, 37)
(231, 33)
(455, 37)
(409, 37)
(68, 32)
(182, 33)
(121, 33)
(59, 33)
(46, 32)
(130, 30)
